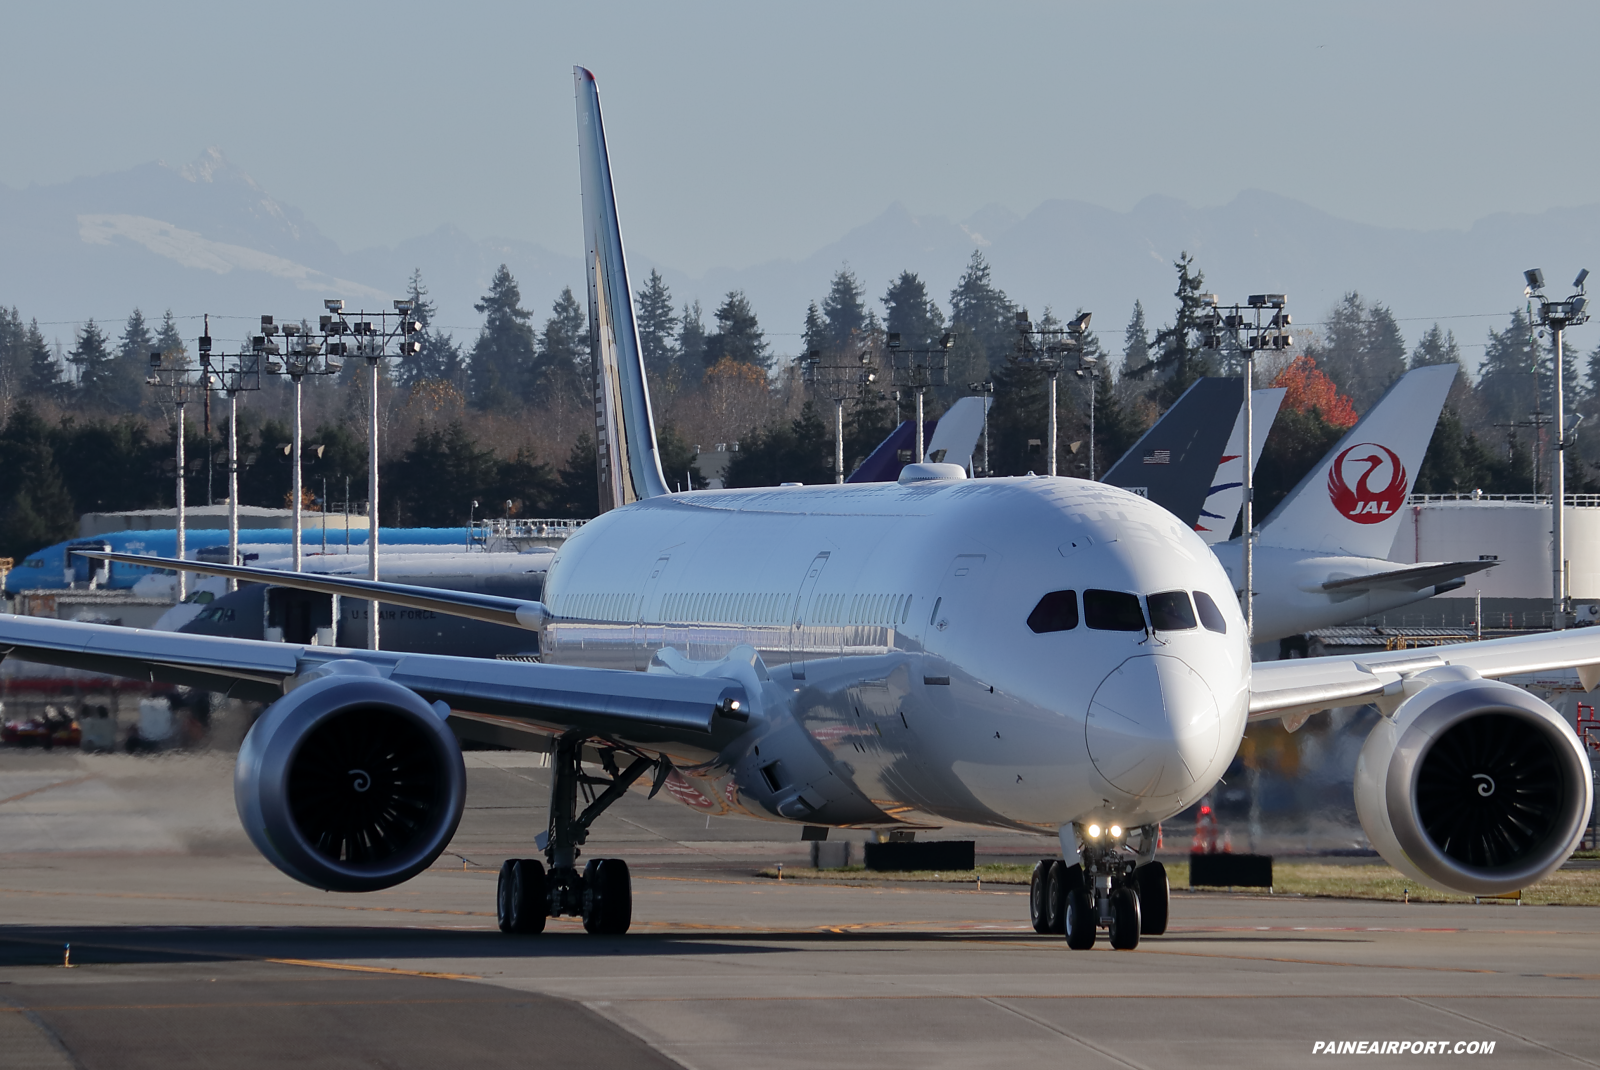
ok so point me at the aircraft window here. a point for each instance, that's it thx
(1112, 611)
(1170, 611)
(1056, 612)
(1210, 615)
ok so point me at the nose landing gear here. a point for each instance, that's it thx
(1127, 896)
(602, 895)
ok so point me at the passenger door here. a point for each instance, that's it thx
(802, 613)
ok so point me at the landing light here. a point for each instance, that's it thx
(1094, 832)
(1116, 832)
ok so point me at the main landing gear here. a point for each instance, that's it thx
(1127, 897)
(602, 895)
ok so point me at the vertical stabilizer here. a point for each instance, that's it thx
(1350, 503)
(1173, 463)
(1226, 497)
(626, 458)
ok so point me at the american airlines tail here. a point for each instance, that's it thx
(1350, 503)
(1226, 496)
(627, 460)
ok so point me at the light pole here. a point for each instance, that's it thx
(373, 334)
(840, 383)
(244, 374)
(176, 381)
(1558, 316)
(919, 369)
(985, 388)
(1089, 368)
(1251, 333)
(1049, 354)
(296, 358)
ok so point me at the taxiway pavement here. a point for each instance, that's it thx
(188, 950)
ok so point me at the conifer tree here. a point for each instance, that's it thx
(439, 358)
(815, 333)
(169, 340)
(43, 378)
(96, 375)
(504, 351)
(560, 371)
(1177, 358)
(738, 335)
(1360, 349)
(657, 325)
(692, 342)
(1135, 341)
(910, 313)
(983, 314)
(844, 310)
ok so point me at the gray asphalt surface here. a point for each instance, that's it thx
(189, 950)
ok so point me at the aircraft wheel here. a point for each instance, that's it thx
(1039, 896)
(1080, 919)
(1155, 895)
(607, 897)
(1063, 879)
(1124, 918)
(521, 902)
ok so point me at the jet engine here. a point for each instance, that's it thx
(350, 783)
(1473, 786)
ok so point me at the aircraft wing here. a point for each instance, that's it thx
(1306, 685)
(496, 609)
(633, 706)
(1413, 578)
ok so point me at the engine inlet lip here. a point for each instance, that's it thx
(293, 719)
(1417, 738)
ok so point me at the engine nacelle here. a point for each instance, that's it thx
(1474, 787)
(350, 783)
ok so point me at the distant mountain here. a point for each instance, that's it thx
(205, 237)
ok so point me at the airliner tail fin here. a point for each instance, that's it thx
(626, 456)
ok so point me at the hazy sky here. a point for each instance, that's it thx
(746, 132)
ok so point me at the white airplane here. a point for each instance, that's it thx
(1049, 655)
(1321, 557)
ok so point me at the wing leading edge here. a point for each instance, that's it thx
(636, 707)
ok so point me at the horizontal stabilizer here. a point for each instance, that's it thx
(494, 609)
(1412, 578)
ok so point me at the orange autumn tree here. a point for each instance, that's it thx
(1310, 389)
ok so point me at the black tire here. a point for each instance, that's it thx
(521, 901)
(1063, 880)
(1124, 918)
(607, 897)
(1038, 896)
(1081, 919)
(1155, 894)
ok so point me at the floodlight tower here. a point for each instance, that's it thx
(373, 333)
(177, 382)
(1049, 354)
(986, 389)
(1557, 316)
(296, 358)
(1263, 323)
(919, 369)
(840, 383)
(233, 375)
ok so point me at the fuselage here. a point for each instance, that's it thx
(1290, 598)
(897, 675)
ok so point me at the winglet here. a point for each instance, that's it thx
(627, 460)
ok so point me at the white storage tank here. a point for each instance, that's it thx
(1515, 531)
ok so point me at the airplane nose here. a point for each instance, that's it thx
(1153, 726)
